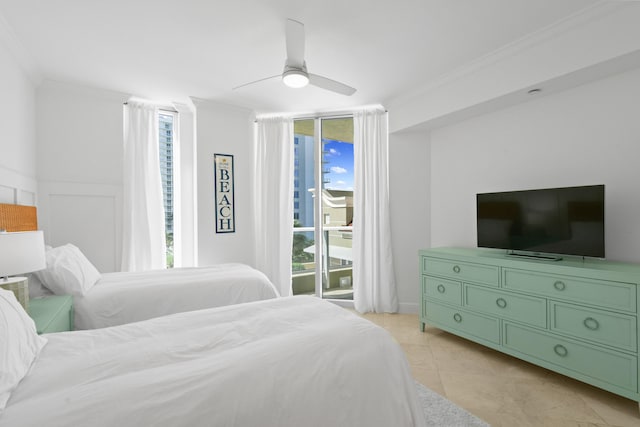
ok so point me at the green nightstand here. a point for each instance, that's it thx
(52, 314)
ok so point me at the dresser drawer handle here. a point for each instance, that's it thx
(456, 269)
(591, 323)
(441, 289)
(559, 285)
(501, 302)
(457, 317)
(560, 350)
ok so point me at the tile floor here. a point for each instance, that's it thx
(500, 389)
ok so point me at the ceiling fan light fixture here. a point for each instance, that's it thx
(295, 78)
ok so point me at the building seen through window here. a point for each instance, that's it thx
(165, 141)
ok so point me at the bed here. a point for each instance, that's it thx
(119, 298)
(110, 299)
(292, 361)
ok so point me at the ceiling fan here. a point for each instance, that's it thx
(295, 68)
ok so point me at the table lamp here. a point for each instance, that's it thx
(20, 252)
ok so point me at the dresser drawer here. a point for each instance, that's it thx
(596, 325)
(606, 366)
(485, 274)
(606, 294)
(526, 309)
(481, 327)
(442, 289)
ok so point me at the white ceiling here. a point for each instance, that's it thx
(170, 50)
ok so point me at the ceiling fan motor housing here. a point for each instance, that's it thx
(295, 77)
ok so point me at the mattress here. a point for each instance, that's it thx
(119, 298)
(294, 361)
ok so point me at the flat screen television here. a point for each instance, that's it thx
(556, 221)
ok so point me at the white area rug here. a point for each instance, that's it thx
(440, 412)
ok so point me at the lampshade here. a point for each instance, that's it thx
(21, 252)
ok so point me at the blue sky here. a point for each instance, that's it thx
(340, 157)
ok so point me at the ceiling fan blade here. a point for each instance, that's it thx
(295, 43)
(256, 81)
(331, 85)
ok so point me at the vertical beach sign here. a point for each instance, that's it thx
(225, 209)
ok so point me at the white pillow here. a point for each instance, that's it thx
(36, 288)
(68, 271)
(20, 344)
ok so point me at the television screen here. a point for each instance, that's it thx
(566, 220)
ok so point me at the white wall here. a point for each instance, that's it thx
(18, 142)
(79, 159)
(225, 130)
(586, 135)
(409, 172)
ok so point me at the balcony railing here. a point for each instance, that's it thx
(336, 272)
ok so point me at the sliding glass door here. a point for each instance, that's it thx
(323, 207)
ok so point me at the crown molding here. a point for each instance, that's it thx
(580, 18)
(212, 104)
(82, 89)
(22, 56)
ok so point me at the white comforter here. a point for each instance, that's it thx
(119, 298)
(296, 361)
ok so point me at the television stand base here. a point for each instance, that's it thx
(538, 256)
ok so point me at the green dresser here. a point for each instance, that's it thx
(574, 316)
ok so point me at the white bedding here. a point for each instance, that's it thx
(119, 298)
(295, 361)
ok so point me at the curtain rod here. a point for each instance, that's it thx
(167, 109)
(327, 116)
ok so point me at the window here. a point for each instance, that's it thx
(165, 141)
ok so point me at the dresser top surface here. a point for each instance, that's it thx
(502, 258)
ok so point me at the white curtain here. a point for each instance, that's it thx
(143, 240)
(273, 200)
(374, 284)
